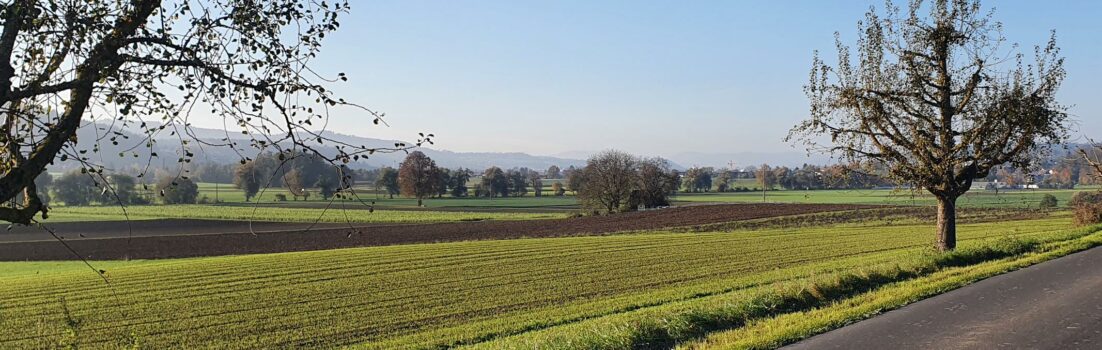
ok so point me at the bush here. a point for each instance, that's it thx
(1087, 207)
(179, 190)
(1048, 201)
(1085, 197)
(279, 197)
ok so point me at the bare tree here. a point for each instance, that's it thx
(608, 181)
(935, 99)
(655, 182)
(245, 62)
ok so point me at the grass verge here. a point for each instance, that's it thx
(740, 312)
(789, 328)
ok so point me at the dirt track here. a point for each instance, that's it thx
(174, 239)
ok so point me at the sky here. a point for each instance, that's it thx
(647, 77)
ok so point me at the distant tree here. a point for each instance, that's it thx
(417, 176)
(569, 170)
(558, 189)
(673, 182)
(329, 182)
(766, 179)
(495, 183)
(248, 178)
(931, 100)
(177, 190)
(43, 183)
(697, 179)
(122, 190)
(536, 182)
(609, 182)
(654, 182)
(388, 181)
(780, 175)
(367, 175)
(518, 181)
(443, 182)
(75, 188)
(573, 180)
(553, 172)
(215, 172)
(295, 182)
(722, 180)
(458, 182)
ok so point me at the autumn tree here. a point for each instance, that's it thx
(417, 176)
(558, 189)
(246, 64)
(248, 177)
(295, 182)
(766, 177)
(936, 99)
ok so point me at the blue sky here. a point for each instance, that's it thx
(649, 77)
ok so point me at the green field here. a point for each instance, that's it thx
(1003, 199)
(494, 294)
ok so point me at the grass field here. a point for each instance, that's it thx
(1003, 199)
(493, 294)
(356, 214)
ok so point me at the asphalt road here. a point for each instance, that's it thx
(1053, 305)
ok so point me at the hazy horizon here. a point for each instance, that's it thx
(643, 77)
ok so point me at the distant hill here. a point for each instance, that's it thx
(131, 144)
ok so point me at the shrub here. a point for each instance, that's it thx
(1085, 197)
(178, 190)
(279, 197)
(1048, 201)
(1087, 207)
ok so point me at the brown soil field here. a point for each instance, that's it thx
(155, 239)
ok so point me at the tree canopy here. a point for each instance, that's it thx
(934, 97)
(146, 65)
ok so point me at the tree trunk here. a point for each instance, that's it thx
(418, 202)
(946, 224)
